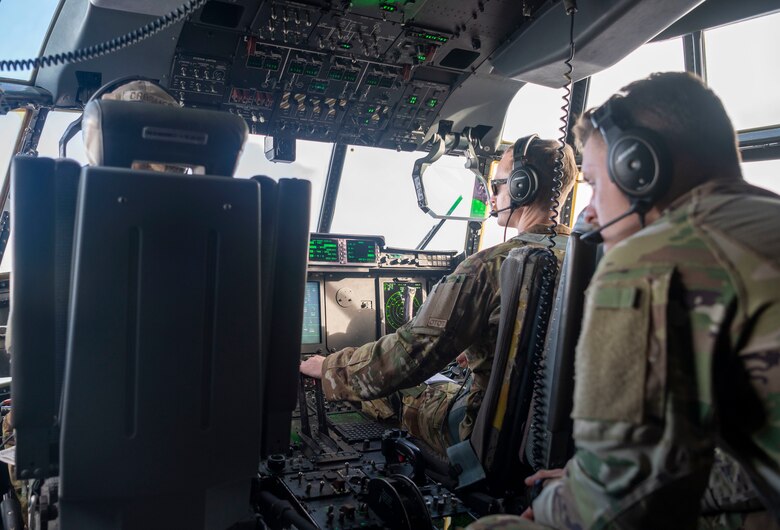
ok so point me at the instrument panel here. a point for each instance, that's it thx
(359, 73)
(358, 289)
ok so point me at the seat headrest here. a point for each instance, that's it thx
(124, 133)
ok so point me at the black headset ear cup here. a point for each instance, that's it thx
(523, 186)
(523, 181)
(638, 164)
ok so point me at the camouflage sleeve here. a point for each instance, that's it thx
(453, 316)
(643, 449)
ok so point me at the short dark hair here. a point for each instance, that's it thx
(685, 112)
(542, 155)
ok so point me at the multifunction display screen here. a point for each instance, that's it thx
(343, 251)
(326, 250)
(312, 321)
(361, 251)
(396, 297)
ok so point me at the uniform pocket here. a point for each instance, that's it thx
(437, 313)
(621, 354)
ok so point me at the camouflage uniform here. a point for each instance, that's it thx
(460, 314)
(680, 351)
(19, 486)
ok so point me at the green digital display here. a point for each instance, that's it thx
(350, 76)
(318, 86)
(271, 63)
(312, 70)
(254, 62)
(432, 102)
(360, 251)
(326, 250)
(412, 100)
(431, 37)
(395, 302)
(296, 68)
(335, 73)
(372, 80)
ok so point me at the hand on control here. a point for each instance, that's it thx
(545, 475)
(462, 360)
(312, 367)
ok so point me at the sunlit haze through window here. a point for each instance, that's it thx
(23, 26)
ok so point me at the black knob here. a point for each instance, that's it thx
(276, 463)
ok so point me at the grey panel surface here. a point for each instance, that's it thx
(353, 321)
(144, 7)
(604, 33)
(82, 24)
(468, 106)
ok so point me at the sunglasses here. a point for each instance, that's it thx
(495, 183)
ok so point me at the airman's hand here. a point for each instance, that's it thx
(462, 360)
(312, 367)
(544, 474)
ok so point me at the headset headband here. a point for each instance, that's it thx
(609, 120)
(520, 149)
(75, 126)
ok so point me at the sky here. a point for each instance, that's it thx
(23, 25)
(377, 195)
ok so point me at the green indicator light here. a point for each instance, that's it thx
(412, 100)
(387, 7)
(345, 46)
(371, 110)
(430, 37)
(432, 102)
(421, 57)
(318, 86)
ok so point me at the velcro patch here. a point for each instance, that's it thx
(438, 311)
(617, 297)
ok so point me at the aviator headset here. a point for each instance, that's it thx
(638, 160)
(75, 127)
(524, 180)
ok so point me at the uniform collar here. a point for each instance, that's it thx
(727, 186)
(561, 229)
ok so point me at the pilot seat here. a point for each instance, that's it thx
(138, 363)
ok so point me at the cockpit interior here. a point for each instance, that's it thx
(335, 161)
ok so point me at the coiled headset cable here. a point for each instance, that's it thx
(538, 363)
(109, 46)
